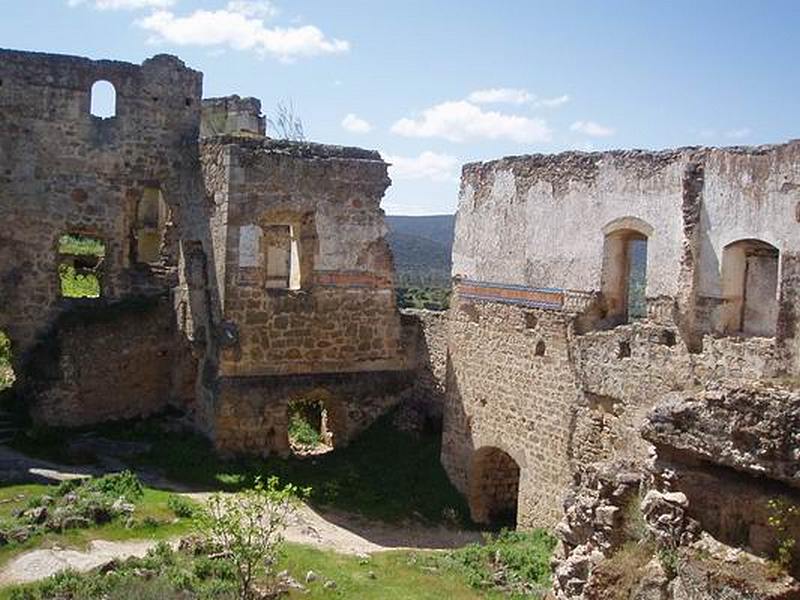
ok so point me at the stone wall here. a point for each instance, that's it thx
(251, 412)
(66, 171)
(425, 342)
(336, 311)
(502, 394)
(527, 281)
(120, 362)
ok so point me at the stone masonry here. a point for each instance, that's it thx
(549, 360)
(236, 273)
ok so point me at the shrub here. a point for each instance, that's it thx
(302, 433)
(513, 561)
(182, 507)
(784, 518)
(248, 528)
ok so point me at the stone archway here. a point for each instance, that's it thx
(494, 487)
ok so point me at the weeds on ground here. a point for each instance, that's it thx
(513, 562)
(302, 432)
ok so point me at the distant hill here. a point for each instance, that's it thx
(422, 247)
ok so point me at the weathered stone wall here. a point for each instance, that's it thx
(66, 171)
(425, 342)
(501, 394)
(531, 250)
(98, 365)
(251, 412)
(340, 314)
(232, 115)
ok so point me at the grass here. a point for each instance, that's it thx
(396, 575)
(6, 371)
(384, 576)
(79, 245)
(154, 519)
(362, 478)
(76, 285)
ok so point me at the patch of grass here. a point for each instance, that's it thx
(80, 245)
(6, 372)
(514, 562)
(164, 573)
(620, 574)
(152, 519)
(78, 285)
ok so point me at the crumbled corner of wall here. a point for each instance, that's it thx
(631, 532)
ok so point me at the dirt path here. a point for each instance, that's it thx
(40, 564)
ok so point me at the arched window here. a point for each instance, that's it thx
(151, 215)
(540, 348)
(624, 279)
(104, 100)
(750, 288)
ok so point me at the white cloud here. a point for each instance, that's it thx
(461, 120)
(515, 96)
(123, 4)
(428, 165)
(591, 128)
(230, 27)
(552, 102)
(738, 134)
(253, 8)
(354, 124)
(501, 95)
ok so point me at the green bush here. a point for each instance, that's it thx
(515, 562)
(182, 507)
(303, 433)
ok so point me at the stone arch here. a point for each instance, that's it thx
(624, 275)
(103, 102)
(750, 285)
(324, 412)
(494, 481)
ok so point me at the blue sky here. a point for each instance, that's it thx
(435, 84)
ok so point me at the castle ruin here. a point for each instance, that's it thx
(237, 273)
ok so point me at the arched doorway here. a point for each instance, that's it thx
(494, 487)
(750, 288)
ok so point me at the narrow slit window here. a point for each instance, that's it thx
(104, 100)
(80, 262)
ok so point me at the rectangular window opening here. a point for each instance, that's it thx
(283, 257)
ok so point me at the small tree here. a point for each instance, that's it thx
(248, 528)
(286, 124)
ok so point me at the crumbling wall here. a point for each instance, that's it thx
(532, 232)
(507, 391)
(66, 171)
(252, 412)
(95, 365)
(232, 115)
(340, 315)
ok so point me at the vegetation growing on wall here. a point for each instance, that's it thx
(6, 371)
